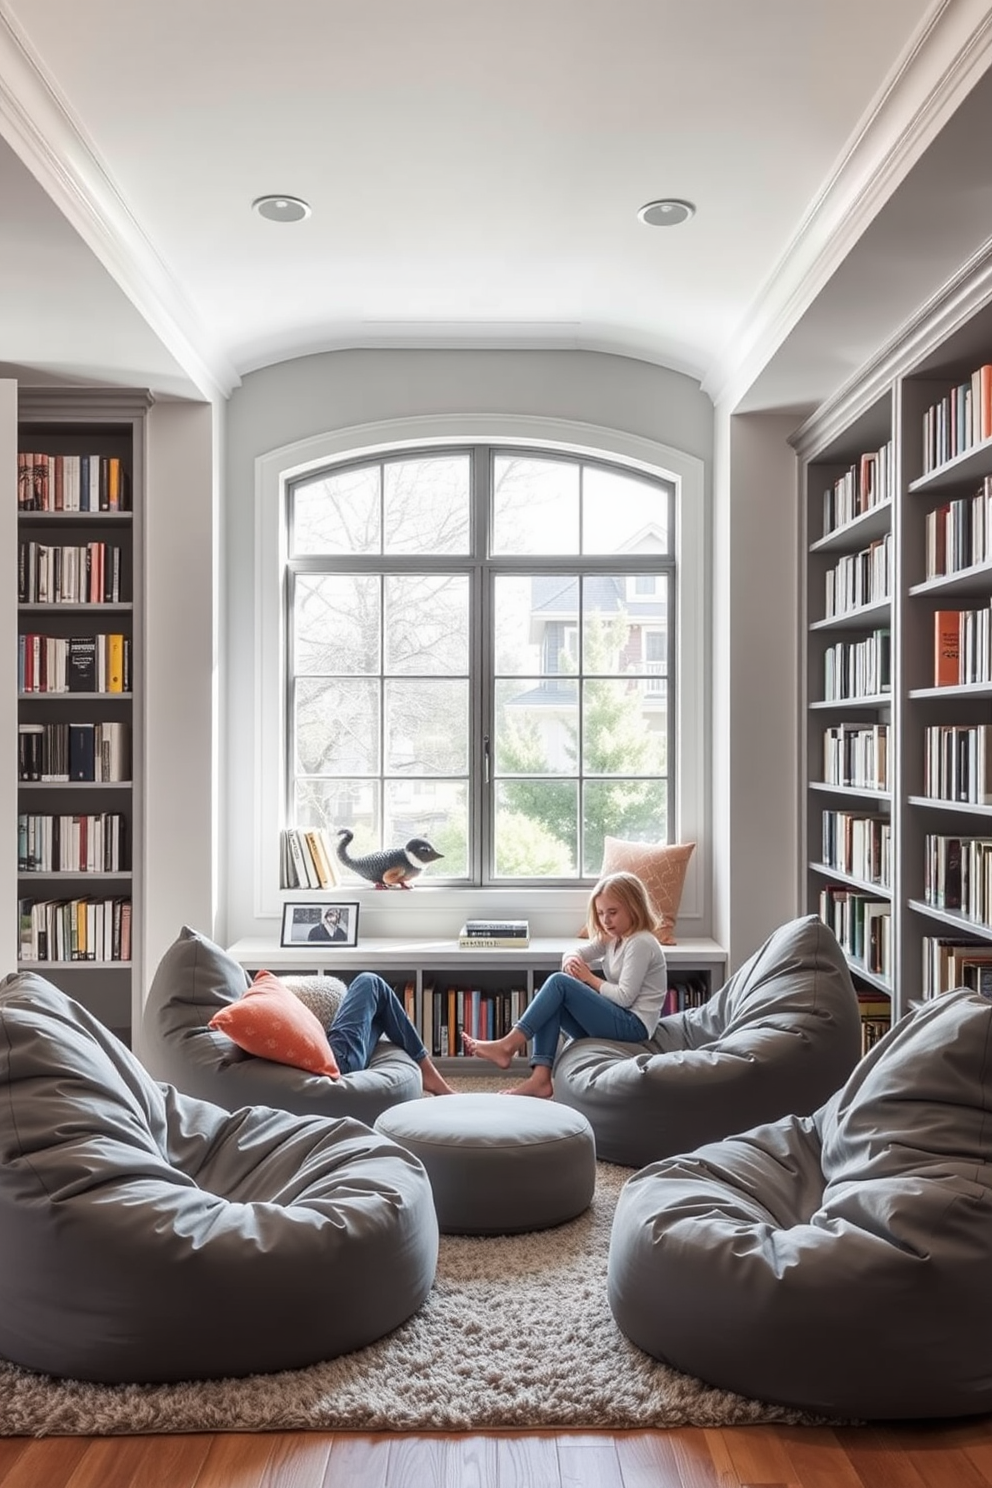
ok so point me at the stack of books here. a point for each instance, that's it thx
(485, 934)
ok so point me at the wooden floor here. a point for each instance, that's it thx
(957, 1455)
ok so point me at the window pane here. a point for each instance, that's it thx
(336, 624)
(636, 810)
(535, 623)
(537, 726)
(333, 804)
(336, 727)
(427, 505)
(337, 513)
(535, 505)
(536, 829)
(616, 621)
(427, 728)
(622, 513)
(623, 732)
(427, 624)
(435, 809)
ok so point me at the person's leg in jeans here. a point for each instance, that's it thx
(564, 1004)
(369, 1011)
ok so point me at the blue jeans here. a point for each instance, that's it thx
(566, 1005)
(369, 1010)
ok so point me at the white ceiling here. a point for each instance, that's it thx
(475, 172)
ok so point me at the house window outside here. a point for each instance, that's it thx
(480, 649)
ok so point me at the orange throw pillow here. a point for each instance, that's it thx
(661, 867)
(271, 1022)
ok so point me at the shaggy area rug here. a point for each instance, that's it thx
(517, 1332)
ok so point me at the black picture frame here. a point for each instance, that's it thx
(322, 922)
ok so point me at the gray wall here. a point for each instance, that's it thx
(294, 400)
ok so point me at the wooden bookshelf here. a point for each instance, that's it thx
(935, 794)
(79, 572)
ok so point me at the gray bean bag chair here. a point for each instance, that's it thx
(196, 978)
(779, 1037)
(841, 1262)
(148, 1236)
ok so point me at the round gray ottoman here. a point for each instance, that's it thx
(498, 1164)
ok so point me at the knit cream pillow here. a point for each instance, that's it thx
(321, 994)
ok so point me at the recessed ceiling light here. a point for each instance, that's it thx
(281, 208)
(668, 212)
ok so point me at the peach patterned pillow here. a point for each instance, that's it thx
(661, 867)
(272, 1023)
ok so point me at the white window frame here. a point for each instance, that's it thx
(275, 469)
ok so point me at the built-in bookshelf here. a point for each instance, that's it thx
(445, 987)
(896, 765)
(79, 747)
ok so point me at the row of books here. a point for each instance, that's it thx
(876, 1018)
(857, 755)
(962, 646)
(443, 1014)
(72, 483)
(92, 843)
(54, 752)
(78, 663)
(87, 573)
(864, 485)
(862, 925)
(958, 763)
(486, 934)
(959, 420)
(958, 875)
(858, 579)
(955, 961)
(959, 533)
(858, 845)
(858, 669)
(307, 859)
(75, 929)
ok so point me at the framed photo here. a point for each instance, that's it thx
(320, 924)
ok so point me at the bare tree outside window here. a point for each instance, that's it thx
(479, 652)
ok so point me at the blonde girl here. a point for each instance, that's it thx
(621, 1000)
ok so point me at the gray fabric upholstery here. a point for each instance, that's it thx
(778, 1038)
(194, 979)
(839, 1262)
(149, 1236)
(498, 1165)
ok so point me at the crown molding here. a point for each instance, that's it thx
(38, 125)
(949, 52)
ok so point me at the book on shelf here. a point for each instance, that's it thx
(490, 934)
(946, 647)
(305, 859)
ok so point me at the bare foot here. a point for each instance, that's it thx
(432, 1080)
(538, 1083)
(497, 1051)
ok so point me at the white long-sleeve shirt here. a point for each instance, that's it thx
(635, 971)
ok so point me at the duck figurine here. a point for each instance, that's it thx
(394, 868)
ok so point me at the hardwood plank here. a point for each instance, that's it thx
(879, 1457)
(758, 1456)
(695, 1460)
(11, 1448)
(299, 1459)
(589, 1463)
(470, 1462)
(46, 1463)
(937, 1451)
(236, 1459)
(415, 1462)
(357, 1462)
(171, 1461)
(818, 1459)
(528, 1462)
(648, 1460)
